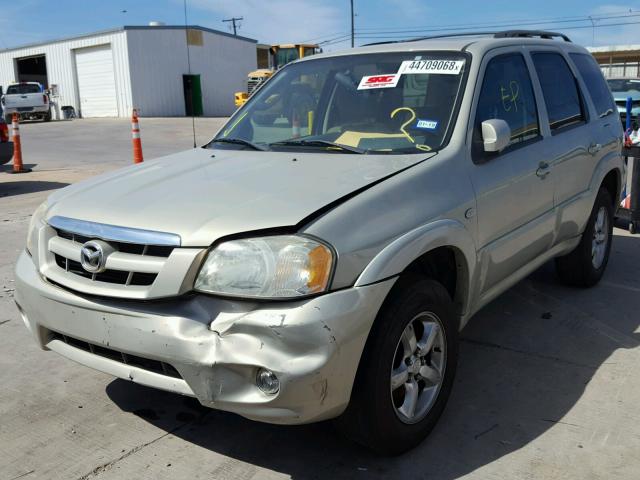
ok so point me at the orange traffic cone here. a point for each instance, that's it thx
(135, 138)
(17, 148)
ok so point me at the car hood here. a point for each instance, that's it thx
(205, 194)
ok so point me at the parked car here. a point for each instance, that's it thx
(623, 88)
(6, 147)
(28, 99)
(318, 257)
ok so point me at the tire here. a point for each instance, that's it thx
(582, 267)
(47, 116)
(376, 415)
(8, 119)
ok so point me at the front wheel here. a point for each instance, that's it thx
(585, 266)
(407, 369)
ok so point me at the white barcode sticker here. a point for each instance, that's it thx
(446, 67)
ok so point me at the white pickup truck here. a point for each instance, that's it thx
(28, 99)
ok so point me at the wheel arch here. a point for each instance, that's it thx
(612, 182)
(442, 250)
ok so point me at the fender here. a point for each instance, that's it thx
(400, 253)
(610, 161)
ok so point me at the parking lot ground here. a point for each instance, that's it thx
(548, 385)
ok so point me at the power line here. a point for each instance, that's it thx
(391, 33)
(233, 21)
(543, 20)
(578, 27)
(471, 27)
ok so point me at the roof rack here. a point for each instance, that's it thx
(505, 34)
(430, 37)
(530, 34)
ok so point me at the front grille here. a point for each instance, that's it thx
(253, 84)
(111, 276)
(120, 277)
(135, 248)
(154, 366)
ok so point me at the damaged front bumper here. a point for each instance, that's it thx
(212, 348)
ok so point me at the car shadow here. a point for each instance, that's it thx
(525, 361)
(10, 189)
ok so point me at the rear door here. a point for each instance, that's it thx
(514, 196)
(576, 143)
(24, 96)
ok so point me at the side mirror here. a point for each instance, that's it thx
(496, 135)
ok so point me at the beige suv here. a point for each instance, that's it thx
(318, 257)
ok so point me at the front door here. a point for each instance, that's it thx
(515, 204)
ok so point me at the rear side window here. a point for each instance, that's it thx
(507, 94)
(22, 89)
(560, 90)
(592, 76)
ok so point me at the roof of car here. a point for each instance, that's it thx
(473, 42)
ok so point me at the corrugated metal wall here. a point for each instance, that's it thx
(158, 59)
(60, 58)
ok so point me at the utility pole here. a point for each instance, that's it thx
(352, 30)
(233, 21)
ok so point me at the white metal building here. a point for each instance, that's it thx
(106, 74)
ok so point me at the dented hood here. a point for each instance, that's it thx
(205, 194)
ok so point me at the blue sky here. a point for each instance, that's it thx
(279, 21)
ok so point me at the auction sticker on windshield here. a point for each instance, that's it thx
(447, 67)
(379, 81)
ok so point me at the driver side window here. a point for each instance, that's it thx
(507, 94)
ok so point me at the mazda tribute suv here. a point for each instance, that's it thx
(318, 257)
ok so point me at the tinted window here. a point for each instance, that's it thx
(23, 88)
(592, 76)
(507, 94)
(560, 90)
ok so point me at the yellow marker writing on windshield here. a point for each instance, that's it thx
(426, 148)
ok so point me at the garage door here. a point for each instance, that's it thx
(96, 82)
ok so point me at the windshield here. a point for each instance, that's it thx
(400, 102)
(624, 85)
(286, 55)
(23, 88)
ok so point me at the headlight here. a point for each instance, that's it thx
(281, 266)
(34, 226)
(37, 220)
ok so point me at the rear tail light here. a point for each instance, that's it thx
(44, 98)
(4, 132)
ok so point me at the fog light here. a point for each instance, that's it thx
(267, 381)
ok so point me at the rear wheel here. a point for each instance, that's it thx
(407, 369)
(586, 264)
(47, 116)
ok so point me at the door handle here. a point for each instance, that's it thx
(594, 148)
(543, 170)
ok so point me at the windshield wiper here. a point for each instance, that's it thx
(239, 141)
(318, 143)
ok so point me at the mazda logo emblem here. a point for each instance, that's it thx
(92, 257)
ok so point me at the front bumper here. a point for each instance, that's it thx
(216, 345)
